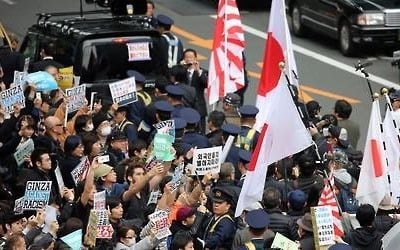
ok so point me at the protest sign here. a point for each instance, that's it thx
(124, 92)
(99, 201)
(73, 240)
(281, 242)
(322, 220)
(24, 149)
(151, 162)
(77, 80)
(177, 178)
(92, 228)
(50, 216)
(163, 146)
(37, 194)
(160, 220)
(44, 81)
(18, 205)
(166, 127)
(138, 51)
(76, 98)
(19, 77)
(65, 77)
(153, 197)
(92, 100)
(26, 64)
(104, 231)
(79, 173)
(60, 180)
(12, 96)
(207, 160)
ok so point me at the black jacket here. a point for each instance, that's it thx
(215, 137)
(305, 183)
(178, 227)
(43, 64)
(10, 61)
(365, 238)
(384, 223)
(68, 164)
(200, 83)
(280, 223)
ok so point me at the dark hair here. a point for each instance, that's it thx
(180, 240)
(88, 140)
(131, 169)
(271, 198)
(161, 83)
(164, 182)
(179, 73)
(122, 231)
(112, 202)
(365, 215)
(313, 197)
(306, 165)
(12, 241)
(217, 118)
(137, 145)
(80, 123)
(29, 119)
(71, 143)
(163, 115)
(152, 3)
(343, 109)
(271, 170)
(257, 232)
(36, 155)
(71, 225)
(190, 50)
(49, 48)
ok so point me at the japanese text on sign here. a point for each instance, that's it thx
(160, 220)
(138, 51)
(23, 150)
(124, 92)
(79, 173)
(323, 226)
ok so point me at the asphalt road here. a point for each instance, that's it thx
(325, 74)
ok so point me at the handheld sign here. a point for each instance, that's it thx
(138, 51)
(19, 77)
(50, 216)
(76, 98)
(73, 240)
(44, 81)
(177, 178)
(322, 220)
(99, 201)
(65, 77)
(153, 197)
(281, 242)
(124, 92)
(60, 180)
(160, 220)
(166, 127)
(18, 205)
(23, 150)
(207, 160)
(12, 96)
(26, 64)
(37, 194)
(163, 146)
(79, 173)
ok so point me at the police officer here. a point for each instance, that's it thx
(172, 46)
(248, 136)
(124, 125)
(192, 135)
(163, 113)
(175, 95)
(233, 154)
(180, 125)
(221, 227)
(244, 160)
(137, 109)
(258, 221)
(230, 106)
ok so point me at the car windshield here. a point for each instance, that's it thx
(110, 58)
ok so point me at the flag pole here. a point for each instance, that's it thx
(361, 67)
(225, 52)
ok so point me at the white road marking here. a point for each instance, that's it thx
(324, 59)
(9, 2)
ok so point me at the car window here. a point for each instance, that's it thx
(30, 46)
(64, 53)
(110, 58)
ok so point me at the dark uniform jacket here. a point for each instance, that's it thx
(280, 223)
(129, 129)
(43, 64)
(195, 139)
(220, 232)
(10, 61)
(200, 83)
(365, 238)
(215, 137)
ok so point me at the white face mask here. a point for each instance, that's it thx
(105, 131)
(131, 242)
(89, 127)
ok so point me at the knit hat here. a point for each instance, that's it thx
(184, 212)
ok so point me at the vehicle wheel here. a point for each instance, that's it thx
(297, 25)
(346, 40)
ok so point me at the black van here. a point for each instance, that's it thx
(352, 22)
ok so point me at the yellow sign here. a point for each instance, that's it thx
(65, 77)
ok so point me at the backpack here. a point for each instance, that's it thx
(347, 199)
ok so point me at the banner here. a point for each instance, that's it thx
(44, 81)
(207, 160)
(19, 77)
(12, 96)
(322, 220)
(79, 173)
(25, 149)
(163, 146)
(124, 92)
(138, 51)
(160, 220)
(99, 200)
(65, 77)
(177, 178)
(166, 127)
(37, 194)
(76, 98)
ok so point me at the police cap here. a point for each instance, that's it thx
(221, 194)
(231, 129)
(191, 116)
(257, 219)
(244, 156)
(11, 217)
(163, 106)
(179, 123)
(248, 111)
(139, 78)
(232, 99)
(117, 135)
(174, 91)
(164, 20)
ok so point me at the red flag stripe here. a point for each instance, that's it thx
(253, 161)
(376, 158)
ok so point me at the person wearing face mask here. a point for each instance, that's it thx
(83, 125)
(73, 148)
(101, 126)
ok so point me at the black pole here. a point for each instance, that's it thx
(361, 67)
(81, 8)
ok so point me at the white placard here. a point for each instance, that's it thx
(153, 197)
(124, 92)
(25, 149)
(18, 205)
(19, 77)
(50, 216)
(99, 201)
(37, 194)
(207, 160)
(76, 98)
(323, 226)
(79, 173)
(177, 178)
(12, 96)
(26, 64)
(60, 180)
(160, 220)
(138, 51)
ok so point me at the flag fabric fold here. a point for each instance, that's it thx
(373, 181)
(328, 199)
(392, 143)
(283, 132)
(226, 70)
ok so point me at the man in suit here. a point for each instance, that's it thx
(10, 60)
(46, 53)
(197, 77)
(178, 77)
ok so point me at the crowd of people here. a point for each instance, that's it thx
(201, 210)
